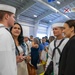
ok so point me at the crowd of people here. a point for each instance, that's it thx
(16, 50)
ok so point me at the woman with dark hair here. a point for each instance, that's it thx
(17, 34)
(67, 59)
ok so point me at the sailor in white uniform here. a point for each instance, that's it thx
(7, 46)
(57, 30)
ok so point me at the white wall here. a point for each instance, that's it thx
(50, 31)
(27, 29)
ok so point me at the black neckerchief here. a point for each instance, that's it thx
(57, 47)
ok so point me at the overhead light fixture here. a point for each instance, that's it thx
(35, 15)
(50, 20)
(57, 2)
(53, 8)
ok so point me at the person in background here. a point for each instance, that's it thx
(21, 55)
(7, 46)
(40, 49)
(35, 52)
(28, 43)
(67, 59)
(44, 49)
(51, 38)
(31, 38)
(58, 33)
(47, 39)
(44, 43)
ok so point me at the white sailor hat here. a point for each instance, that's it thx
(8, 8)
(57, 25)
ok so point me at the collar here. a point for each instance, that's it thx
(1, 25)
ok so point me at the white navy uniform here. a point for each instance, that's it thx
(56, 55)
(7, 53)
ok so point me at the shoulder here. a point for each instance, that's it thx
(66, 39)
(3, 31)
(52, 43)
(41, 44)
(23, 44)
(46, 43)
(5, 34)
(64, 42)
(6, 40)
(72, 40)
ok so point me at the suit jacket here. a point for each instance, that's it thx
(67, 59)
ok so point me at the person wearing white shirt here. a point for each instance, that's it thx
(28, 43)
(57, 30)
(7, 46)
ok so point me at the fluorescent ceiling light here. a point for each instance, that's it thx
(58, 2)
(53, 8)
(35, 15)
(50, 20)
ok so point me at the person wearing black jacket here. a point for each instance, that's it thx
(67, 59)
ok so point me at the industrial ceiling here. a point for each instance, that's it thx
(42, 11)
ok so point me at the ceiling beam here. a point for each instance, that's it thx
(53, 8)
(61, 5)
(25, 7)
(60, 19)
(67, 2)
(46, 13)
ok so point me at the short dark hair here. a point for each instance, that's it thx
(71, 23)
(2, 13)
(31, 35)
(20, 38)
(43, 38)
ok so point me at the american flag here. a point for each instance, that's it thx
(67, 10)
